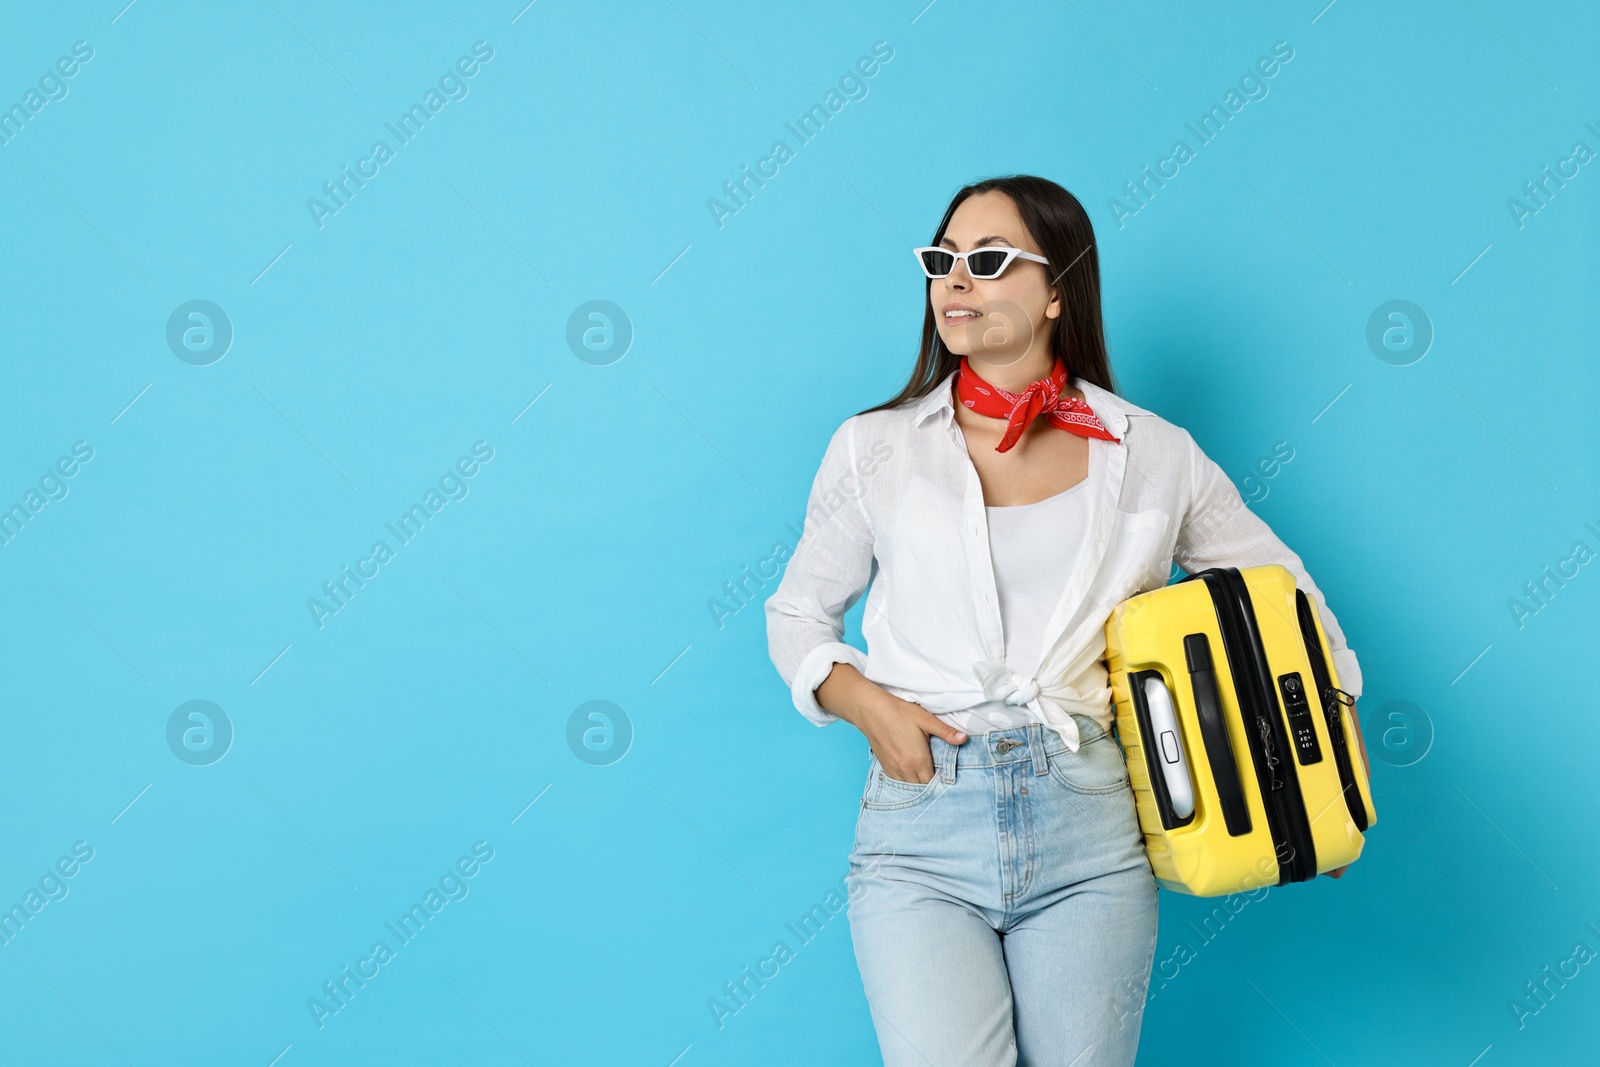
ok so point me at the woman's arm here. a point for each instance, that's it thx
(830, 568)
(1218, 530)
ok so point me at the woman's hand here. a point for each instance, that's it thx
(1338, 872)
(897, 730)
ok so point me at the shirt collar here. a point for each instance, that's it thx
(1107, 406)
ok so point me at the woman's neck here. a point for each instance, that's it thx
(1013, 375)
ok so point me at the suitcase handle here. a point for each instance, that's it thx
(1168, 743)
(1214, 732)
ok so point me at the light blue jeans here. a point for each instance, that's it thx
(1004, 913)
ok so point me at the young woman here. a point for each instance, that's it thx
(1002, 906)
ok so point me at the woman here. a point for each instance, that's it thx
(1002, 906)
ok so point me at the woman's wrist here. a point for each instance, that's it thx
(848, 694)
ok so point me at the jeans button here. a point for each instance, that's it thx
(1005, 744)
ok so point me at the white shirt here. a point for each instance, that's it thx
(1031, 548)
(896, 504)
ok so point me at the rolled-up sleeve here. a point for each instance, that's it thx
(1218, 530)
(830, 568)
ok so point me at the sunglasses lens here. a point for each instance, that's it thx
(938, 263)
(987, 263)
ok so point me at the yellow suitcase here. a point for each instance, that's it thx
(1245, 767)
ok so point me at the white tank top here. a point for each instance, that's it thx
(1032, 547)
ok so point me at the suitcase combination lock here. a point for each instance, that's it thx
(1306, 746)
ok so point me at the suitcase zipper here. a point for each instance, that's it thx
(1302, 864)
(1266, 747)
(1258, 701)
(1333, 704)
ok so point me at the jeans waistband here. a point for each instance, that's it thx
(1033, 743)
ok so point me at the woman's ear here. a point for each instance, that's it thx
(1052, 310)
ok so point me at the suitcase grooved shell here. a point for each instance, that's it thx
(1201, 857)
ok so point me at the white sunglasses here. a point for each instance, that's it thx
(987, 262)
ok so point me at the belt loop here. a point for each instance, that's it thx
(1041, 764)
(947, 760)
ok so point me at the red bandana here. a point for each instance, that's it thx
(1044, 397)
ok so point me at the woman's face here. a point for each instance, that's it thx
(999, 321)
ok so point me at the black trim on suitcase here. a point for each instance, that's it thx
(1258, 704)
(1152, 753)
(1331, 708)
(1214, 732)
(1302, 864)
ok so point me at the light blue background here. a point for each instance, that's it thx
(426, 315)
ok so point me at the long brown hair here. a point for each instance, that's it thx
(1061, 227)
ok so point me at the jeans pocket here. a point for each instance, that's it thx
(884, 793)
(1097, 767)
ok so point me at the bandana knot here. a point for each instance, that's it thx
(1046, 397)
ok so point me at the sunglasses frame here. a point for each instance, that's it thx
(1011, 254)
